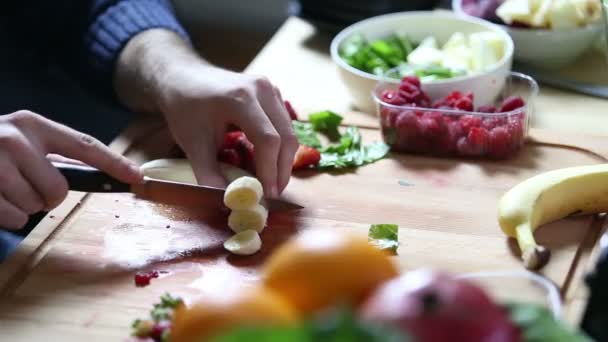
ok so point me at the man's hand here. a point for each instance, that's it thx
(158, 72)
(28, 181)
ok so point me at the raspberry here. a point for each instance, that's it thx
(413, 80)
(455, 95)
(408, 128)
(464, 148)
(516, 129)
(469, 95)
(424, 101)
(469, 121)
(430, 128)
(449, 140)
(393, 97)
(491, 122)
(410, 96)
(478, 138)
(229, 156)
(487, 109)
(500, 142)
(511, 103)
(231, 138)
(464, 104)
(292, 113)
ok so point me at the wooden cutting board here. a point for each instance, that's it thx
(79, 284)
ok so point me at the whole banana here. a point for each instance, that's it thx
(548, 197)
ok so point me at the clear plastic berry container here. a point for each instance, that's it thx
(452, 125)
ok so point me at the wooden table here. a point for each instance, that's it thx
(72, 278)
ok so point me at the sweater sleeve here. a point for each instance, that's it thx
(114, 22)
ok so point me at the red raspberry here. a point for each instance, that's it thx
(231, 138)
(292, 113)
(449, 140)
(511, 103)
(455, 95)
(500, 142)
(469, 121)
(464, 104)
(393, 97)
(464, 148)
(424, 101)
(229, 156)
(490, 123)
(487, 109)
(413, 80)
(516, 129)
(408, 128)
(469, 95)
(478, 138)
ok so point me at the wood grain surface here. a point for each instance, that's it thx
(73, 278)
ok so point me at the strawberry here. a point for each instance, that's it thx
(246, 152)
(229, 156)
(292, 113)
(306, 157)
(230, 138)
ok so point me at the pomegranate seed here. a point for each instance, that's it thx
(512, 103)
(487, 109)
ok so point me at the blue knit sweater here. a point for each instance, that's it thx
(84, 36)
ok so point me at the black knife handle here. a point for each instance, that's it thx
(87, 179)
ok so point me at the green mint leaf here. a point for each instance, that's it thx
(384, 236)
(306, 134)
(266, 334)
(327, 122)
(375, 151)
(539, 325)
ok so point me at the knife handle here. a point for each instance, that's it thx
(87, 179)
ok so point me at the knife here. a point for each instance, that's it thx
(87, 179)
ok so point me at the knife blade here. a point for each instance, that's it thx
(87, 179)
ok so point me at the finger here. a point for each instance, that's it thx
(20, 193)
(60, 139)
(271, 102)
(203, 157)
(11, 217)
(47, 181)
(260, 130)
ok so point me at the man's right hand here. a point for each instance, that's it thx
(28, 181)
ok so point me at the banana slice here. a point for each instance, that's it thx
(243, 193)
(253, 218)
(246, 242)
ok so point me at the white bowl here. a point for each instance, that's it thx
(548, 49)
(486, 85)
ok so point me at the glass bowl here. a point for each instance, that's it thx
(519, 287)
(450, 132)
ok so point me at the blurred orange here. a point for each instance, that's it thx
(213, 316)
(320, 268)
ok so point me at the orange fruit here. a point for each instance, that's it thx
(320, 268)
(213, 316)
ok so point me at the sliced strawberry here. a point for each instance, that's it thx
(292, 112)
(230, 156)
(306, 157)
(246, 152)
(230, 138)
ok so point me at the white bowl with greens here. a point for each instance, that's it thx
(447, 52)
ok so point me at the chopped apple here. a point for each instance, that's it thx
(515, 10)
(540, 18)
(484, 51)
(425, 55)
(429, 42)
(456, 40)
(563, 15)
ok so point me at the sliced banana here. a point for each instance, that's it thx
(243, 193)
(253, 218)
(246, 242)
